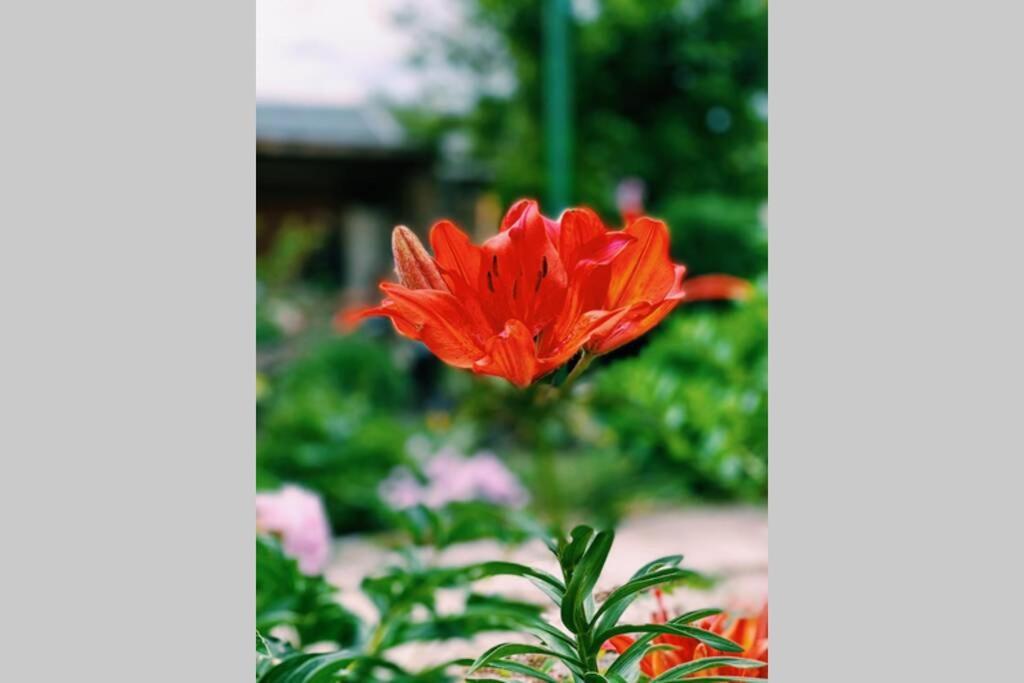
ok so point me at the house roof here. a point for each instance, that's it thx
(327, 130)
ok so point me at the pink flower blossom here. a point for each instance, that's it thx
(297, 517)
(452, 477)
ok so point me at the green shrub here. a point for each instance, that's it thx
(713, 233)
(332, 422)
(691, 410)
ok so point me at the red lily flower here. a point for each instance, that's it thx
(528, 299)
(751, 633)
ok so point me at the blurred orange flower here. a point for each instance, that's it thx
(528, 299)
(750, 632)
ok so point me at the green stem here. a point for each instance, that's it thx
(548, 399)
(581, 365)
(583, 651)
(547, 481)
(372, 646)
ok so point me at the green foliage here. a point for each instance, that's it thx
(399, 592)
(332, 422)
(713, 233)
(405, 598)
(267, 330)
(345, 666)
(461, 522)
(668, 91)
(285, 253)
(287, 597)
(692, 408)
(588, 627)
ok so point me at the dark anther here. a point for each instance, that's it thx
(490, 282)
(544, 267)
(494, 265)
(515, 287)
(540, 278)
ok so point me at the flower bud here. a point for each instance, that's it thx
(414, 266)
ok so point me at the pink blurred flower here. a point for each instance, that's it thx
(452, 477)
(297, 517)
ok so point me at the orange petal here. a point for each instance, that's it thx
(511, 354)
(586, 326)
(643, 271)
(347, 320)
(643, 317)
(515, 212)
(457, 257)
(639, 319)
(762, 622)
(578, 227)
(716, 287)
(522, 276)
(619, 643)
(586, 292)
(438, 320)
(583, 237)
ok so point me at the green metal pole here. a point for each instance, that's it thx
(557, 104)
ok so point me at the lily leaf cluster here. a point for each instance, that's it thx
(579, 641)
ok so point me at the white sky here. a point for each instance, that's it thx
(332, 51)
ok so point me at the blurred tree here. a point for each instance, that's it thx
(669, 91)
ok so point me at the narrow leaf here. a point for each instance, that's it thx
(584, 579)
(622, 597)
(508, 649)
(677, 673)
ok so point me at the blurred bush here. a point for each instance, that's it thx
(713, 233)
(334, 421)
(690, 412)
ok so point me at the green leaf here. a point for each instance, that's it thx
(270, 652)
(695, 615)
(551, 586)
(520, 668)
(583, 580)
(509, 649)
(286, 596)
(482, 613)
(572, 552)
(322, 668)
(677, 673)
(707, 637)
(629, 661)
(671, 627)
(667, 561)
(622, 597)
(283, 671)
(550, 635)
